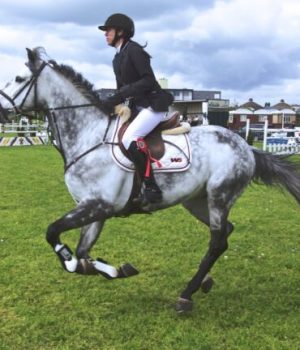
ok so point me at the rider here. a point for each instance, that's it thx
(135, 82)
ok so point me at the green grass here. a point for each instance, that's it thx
(10, 134)
(254, 303)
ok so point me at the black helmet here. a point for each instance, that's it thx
(119, 21)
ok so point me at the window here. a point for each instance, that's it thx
(187, 95)
(243, 117)
(230, 119)
(262, 118)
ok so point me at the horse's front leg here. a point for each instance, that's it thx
(87, 265)
(86, 213)
(90, 215)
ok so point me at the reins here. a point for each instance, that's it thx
(103, 142)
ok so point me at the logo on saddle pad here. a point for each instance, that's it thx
(177, 156)
(176, 160)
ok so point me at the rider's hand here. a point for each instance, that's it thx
(108, 105)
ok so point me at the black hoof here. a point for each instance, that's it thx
(183, 306)
(127, 270)
(207, 284)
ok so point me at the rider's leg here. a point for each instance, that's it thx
(153, 193)
(141, 126)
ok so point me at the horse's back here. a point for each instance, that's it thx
(223, 153)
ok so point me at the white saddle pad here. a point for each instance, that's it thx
(177, 155)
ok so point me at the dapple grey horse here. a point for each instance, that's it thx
(222, 166)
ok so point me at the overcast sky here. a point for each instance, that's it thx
(245, 48)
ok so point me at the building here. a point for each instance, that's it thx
(193, 105)
(279, 115)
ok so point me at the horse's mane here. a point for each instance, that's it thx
(77, 80)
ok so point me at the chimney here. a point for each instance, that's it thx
(163, 82)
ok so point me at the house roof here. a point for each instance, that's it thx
(251, 105)
(282, 105)
(244, 111)
(267, 111)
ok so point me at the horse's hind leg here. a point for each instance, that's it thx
(198, 207)
(218, 207)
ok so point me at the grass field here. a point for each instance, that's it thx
(254, 303)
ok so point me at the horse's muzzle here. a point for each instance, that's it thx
(3, 114)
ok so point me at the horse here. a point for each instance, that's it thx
(221, 167)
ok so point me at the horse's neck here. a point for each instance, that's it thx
(78, 129)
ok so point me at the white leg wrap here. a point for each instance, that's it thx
(66, 257)
(58, 247)
(108, 269)
(71, 265)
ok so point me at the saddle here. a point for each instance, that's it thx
(154, 139)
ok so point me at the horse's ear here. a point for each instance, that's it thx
(31, 55)
(33, 60)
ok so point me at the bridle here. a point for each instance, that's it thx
(32, 84)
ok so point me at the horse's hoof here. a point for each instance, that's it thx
(127, 270)
(207, 284)
(183, 306)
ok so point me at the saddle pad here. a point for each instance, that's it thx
(177, 156)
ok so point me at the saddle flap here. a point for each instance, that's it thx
(154, 142)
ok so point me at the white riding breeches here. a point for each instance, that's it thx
(142, 125)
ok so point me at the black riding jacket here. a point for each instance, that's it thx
(136, 80)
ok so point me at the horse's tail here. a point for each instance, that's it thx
(277, 170)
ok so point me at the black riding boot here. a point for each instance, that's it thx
(153, 193)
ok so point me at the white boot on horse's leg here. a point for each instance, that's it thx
(65, 255)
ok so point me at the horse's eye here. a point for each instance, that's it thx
(19, 79)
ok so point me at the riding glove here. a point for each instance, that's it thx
(108, 105)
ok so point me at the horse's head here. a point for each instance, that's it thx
(20, 93)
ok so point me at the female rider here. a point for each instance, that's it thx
(136, 82)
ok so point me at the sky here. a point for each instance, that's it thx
(243, 48)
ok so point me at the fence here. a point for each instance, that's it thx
(21, 129)
(25, 134)
(277, 141)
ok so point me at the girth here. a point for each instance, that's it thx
(154, 139)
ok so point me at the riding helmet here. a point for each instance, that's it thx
(119, 21)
